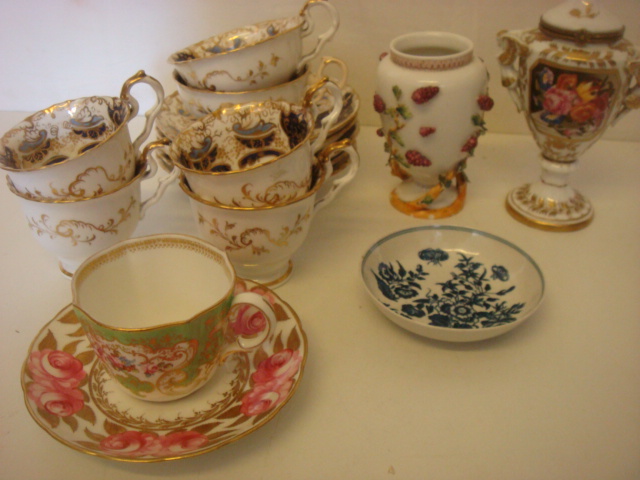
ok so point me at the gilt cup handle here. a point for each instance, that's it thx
(331, 119)
(164, 182)
(342, 68)
(307, 28)
(152, 113)
(332, 185)
(162, 157)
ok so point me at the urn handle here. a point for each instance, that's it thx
(513, 52)
(631, 100)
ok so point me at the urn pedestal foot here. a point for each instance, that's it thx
(409, 198)
(551, 203)
(547, 207)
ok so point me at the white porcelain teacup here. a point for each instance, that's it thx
(157, 313)
(250, 155)
(199, 101)
(255, 56)
(75, 229)
(79, 148)
(261, 241)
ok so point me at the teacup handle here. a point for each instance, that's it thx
(342, 67)
(331, 119)
(307, 28)
(152, 168)
(331, 187)
(162, 144)
(247, 343)
(152, 113)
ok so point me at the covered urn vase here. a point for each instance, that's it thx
(572, 77)
(431, 94)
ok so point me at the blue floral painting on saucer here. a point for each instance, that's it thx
(475, 296)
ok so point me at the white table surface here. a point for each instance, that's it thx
(557, 398)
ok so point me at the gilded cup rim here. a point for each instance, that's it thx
(121, 249)
(60, 106)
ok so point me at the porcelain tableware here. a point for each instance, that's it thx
(174, 116)
(324, 104)
(70, 395)
(157, 312)
(572, 77)
(79, 148)
(451, 283)
(261, 241)
(200, 101)
(340, 160)
(431, 94)
(346, 127)
(255, 56)
(75, 229)
(325, 66)
(250, 155)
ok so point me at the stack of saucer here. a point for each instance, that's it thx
(77, 174)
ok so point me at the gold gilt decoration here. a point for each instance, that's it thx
(70, 395)
(279, 193)
(100, 393)
(62, 132)
(563, 150)
(588, 12)
(78, 231)
(632, 101)
(573, 208)
(78, 188)
(252, 76)
(249, 238)
(592, 59)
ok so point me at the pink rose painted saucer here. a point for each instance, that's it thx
(71, 396)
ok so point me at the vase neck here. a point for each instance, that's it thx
(431, 51)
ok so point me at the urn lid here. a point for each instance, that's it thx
(583, 21)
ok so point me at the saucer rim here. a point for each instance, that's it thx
(90, 368)
(446, 333)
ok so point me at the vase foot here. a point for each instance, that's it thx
(448, 202)
(542, 206)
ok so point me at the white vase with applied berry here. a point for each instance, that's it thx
(431, 94)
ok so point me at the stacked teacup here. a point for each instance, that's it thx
(254, 161)
(77, 173)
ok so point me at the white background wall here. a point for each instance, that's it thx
(53, 50)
